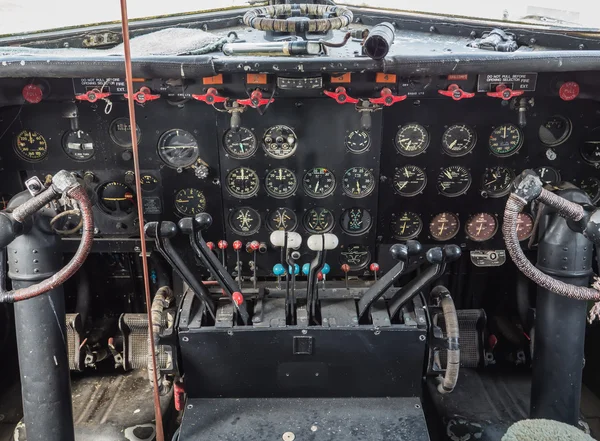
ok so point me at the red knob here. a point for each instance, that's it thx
(387, 98)
(32, 93)
(222, 244)
(238, 298)
(319, 276)
(256, 100)
(237, 245)
(143, 95)
(505, 93)
(456, 93)
(92, 96)
(569, 91)
(341, 96)
(210, 97)
(254, 245)
(210, 245)
(345, 268)
(374, 267)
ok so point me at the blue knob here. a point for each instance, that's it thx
(325, 270)
(278, 269)
(296, 269)
(306, 269)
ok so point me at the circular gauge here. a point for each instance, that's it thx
(409, 180)
(115, 198)
(481, 227)
(505, 140)
(178, 148)
(548, 175)
(356, 257)
(120, 132)
(412, 139)
(240, 143)
(497, 181)
(318, 182)
(590, 149)
(281, 182)
(524, 226)
(592, 187)
(78, 145)
(283, 219)
(453, 181)
(244, 221)
(458, 140)
(358, 141)
(148, 182)
(280, 142)
(358, 182)
(444, 226)
(31, 146)
(318, 220)
(406, 225)
(242, 182)
(355, 221)
(189, 202)
(555, 131)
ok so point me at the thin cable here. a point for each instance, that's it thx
(160, 435)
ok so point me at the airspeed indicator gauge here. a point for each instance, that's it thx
(31, 146)
(505, 140)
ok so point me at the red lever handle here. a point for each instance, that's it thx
(456, 93)
(256, 100)
(92, 96)
(340, 96)
(210, 97)
(387, 98)
(143, 95)
(505, 93)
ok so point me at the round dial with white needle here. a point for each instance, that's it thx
(244, 221)
(525, 225)
(240, 143)
(358, 182)
(318, 220)
(458, 140)
(409, 180)
(318, 182)
(548, 175)
(358, 141)
(189, 202)
(282, 219)
(497, 181)
(481, 227)
(178, 148)
(453, 181)
(281, 182)
(406, 225)
(411, 139)
(505, 140)
(444, 226)
(242, 182)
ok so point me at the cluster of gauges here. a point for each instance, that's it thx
(480, 227)
(278, 142)
(318, 182)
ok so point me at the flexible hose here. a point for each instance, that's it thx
(450, 378)
(162, 299)
(34, 204)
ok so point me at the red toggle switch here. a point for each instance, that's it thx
(143, 95)
(256, 100)
(238, 298)
(505, 93)
(32, 93)
(210, 245)
(92, 96)
(237, 245)
(340, 96)
(456, 93)
(210, 97)
(387, 98)
(569, 91)
(222, 244)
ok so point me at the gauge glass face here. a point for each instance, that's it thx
(358, 182)
(280, 142)
(592, 187)
(458, 140)
(505, 140)
(244, 221)
(115, 198)
(148, 182)
(318, 182)
(356, 257)
(281, 183)
(318, 220)
(497, 181)
(453, 181)
(282, 219)
(189, 202)
(120, 132)
(355, 221)
(555, 131)
(78, 145)
(590, 149)
(409, 180)
(31, 146)
(358, 141)
(444, 226)
(548, 175)
(406, 225)
(240, 143)
(178, 148)
(412, 139)
(481, 227)
(242, 182)
(524, 226)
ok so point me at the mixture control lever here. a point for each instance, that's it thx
(319, 243)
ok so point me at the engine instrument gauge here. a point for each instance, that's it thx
(453, 181)
(189, 202)
(481, 227)
(318, 220)
(240, 143)
(318, 182)
(120, 132)
(444, 226)
(283, 219)
(497, 181)
(412, 139)
(358, 141)
(590, 149)
(148, 182)
(280, 142)
(355, 220)
(31, 146)
(358, 182)
(115, 198)
(548, 175)
(458, 140)
(524, 226)
(409, 180)
(505, 140)
(242, 182)
(406, 225)
(244, 221)
(178, 148)
(591, 186)
(281, 182)
(78, 145)
(555, 131)
(356, 257)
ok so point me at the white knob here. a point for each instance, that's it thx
(277, 239)
(320, 242)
